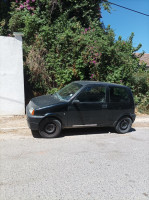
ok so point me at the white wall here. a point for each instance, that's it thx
(11, 76)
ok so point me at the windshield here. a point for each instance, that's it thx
(68, 91)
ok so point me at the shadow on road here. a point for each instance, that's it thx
(132, 130)
(82, 131)
(86, 131)
(35, 134)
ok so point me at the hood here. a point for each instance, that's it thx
(45, 100)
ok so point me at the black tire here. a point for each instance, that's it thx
(50, 128)
(123, 125)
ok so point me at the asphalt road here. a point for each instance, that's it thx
(88, 164)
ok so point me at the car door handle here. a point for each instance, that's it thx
(104, 106)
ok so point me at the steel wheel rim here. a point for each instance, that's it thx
(50, 128)
(124, 124)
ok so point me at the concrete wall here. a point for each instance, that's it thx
(11, 76)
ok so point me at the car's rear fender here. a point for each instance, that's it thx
(131, 116)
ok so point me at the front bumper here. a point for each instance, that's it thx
(33, 120)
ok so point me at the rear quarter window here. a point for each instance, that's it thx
(119, 94)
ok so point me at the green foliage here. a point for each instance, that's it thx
(140, 86)
(143, 106)
(140, 82)
(54, 42)
(4, 17)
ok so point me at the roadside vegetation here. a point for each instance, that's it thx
(65, 41)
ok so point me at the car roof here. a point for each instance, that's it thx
(98, 82)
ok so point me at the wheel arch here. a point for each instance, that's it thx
(126, 115)
(47, 132)
(51, 117)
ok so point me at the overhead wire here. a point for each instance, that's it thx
(129, 9)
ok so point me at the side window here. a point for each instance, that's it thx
(93, 94)
(118, 94)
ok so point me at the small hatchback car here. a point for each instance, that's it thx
(82, 104)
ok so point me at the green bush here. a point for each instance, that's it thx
(140, 87)
(143, 106)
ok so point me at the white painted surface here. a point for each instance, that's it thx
(11, 76)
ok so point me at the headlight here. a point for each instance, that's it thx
(32, 111)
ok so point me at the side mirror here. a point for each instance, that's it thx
(76, 102)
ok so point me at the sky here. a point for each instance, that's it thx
(124, 22)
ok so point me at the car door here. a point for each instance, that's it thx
(119, 104)
(89, 107)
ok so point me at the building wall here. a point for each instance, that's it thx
(11, 76)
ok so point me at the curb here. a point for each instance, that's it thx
(140, 122)
(13, 128)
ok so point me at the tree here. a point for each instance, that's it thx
(65, 41)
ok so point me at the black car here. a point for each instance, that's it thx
(82, 104)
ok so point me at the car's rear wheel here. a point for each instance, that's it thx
(50, 128)
(123, 125)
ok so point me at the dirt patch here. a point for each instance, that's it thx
(17, 134)
(13, 121)
(140, 124)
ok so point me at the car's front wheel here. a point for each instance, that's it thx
(50, 128)
(123, 125)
